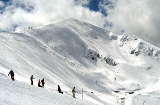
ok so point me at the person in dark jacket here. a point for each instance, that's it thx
(31, 78)
(42, 81)
(59, 89)
(12, 74)
(39, 83)
(73, 92)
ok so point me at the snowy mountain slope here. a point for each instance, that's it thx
(18, 93)
(74, 53)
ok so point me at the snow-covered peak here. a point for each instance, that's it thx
(138, 46)
(71, 53)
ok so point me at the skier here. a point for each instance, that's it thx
(31, 78)
(73, 91)
(12, 74)
(39, 83)
(59, 89)
(42, 81)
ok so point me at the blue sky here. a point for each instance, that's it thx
(5, 0)
(93, 5)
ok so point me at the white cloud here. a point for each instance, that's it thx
(40, 12)
(140, 17)
(82, 2)
(1, 4)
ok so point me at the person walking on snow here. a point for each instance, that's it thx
(12, 74)
(31, 78)
(59, 89)
(73, 91)
(42, 81)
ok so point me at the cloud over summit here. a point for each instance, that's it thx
(35, 12)
(139, 17)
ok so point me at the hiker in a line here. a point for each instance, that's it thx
(12, 74)
(31, 78)
(39, 83)
(73, 91)
(42, 81)
(59, 89)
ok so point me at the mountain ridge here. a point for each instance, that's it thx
(74, 53)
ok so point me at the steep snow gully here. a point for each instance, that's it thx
(111, 69)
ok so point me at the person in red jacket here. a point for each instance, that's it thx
(42, 81)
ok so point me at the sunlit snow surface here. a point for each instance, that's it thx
(65, 53)
(18, 93)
